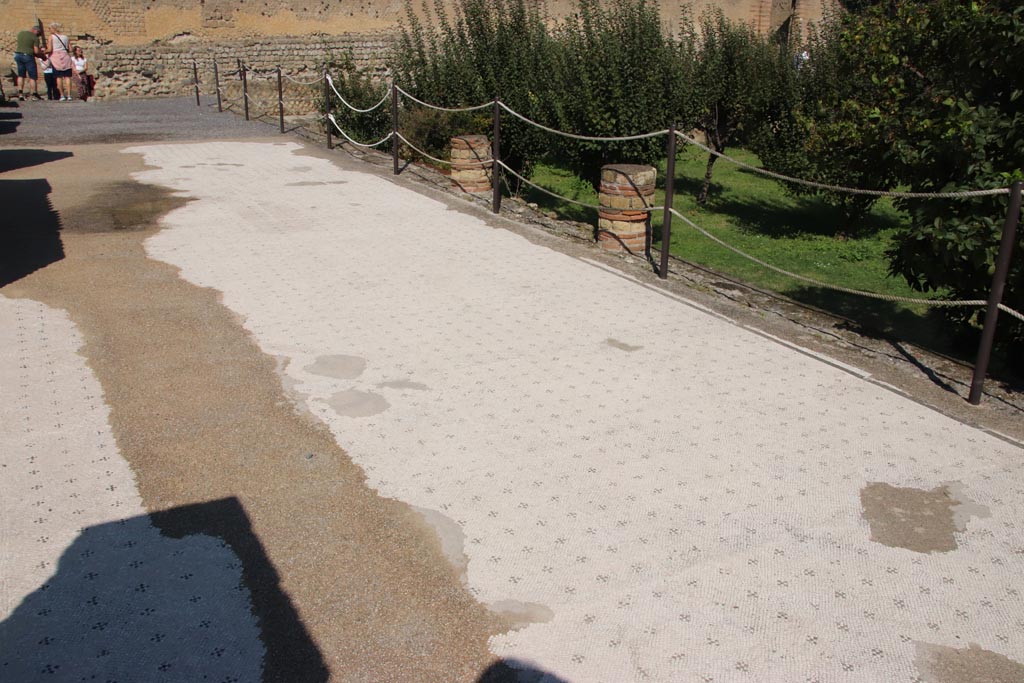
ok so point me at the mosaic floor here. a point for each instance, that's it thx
(90, 589)
(657, 493)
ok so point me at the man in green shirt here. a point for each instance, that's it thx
(25, 56)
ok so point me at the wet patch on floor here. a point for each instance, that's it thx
(939, 664)
(353, 403)
(403, 384)
(621, 346)
(337, 366)
(451, 537)
(137, 208)
(920, 520)
(522, 614)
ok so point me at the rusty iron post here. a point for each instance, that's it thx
(216, 83)
(670, 183)
(394, 127)
(327, 109)
(496, 159)
(280, 98)
(995, 297)
(245, 88)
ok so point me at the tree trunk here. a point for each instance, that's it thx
(702, 198)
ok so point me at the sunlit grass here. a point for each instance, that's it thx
(801, 234)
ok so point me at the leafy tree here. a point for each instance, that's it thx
(606, 70)
(734, 84)
(361, 90)
(618, 72)
(949, 101)
(826, 127)
(484, 49)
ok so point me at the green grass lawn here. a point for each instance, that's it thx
(804, 235)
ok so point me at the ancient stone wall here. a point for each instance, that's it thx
(145, 47)
(166, 69)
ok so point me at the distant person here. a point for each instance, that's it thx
(51, 81)
(82, 76)
(25, 52)
(59, 50)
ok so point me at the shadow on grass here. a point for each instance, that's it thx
(925, 327)
(784, 215)
(897, 324)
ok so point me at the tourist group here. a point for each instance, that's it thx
(65, 69)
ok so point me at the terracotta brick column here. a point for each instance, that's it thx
(471, 163)
(626, 195)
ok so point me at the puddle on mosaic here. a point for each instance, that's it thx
(924, 521)
(941, 664)
(337, 366)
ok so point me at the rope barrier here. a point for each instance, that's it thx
(258, 103)
(266, 75)
(227, 99)
(598, 207)
(842, 188)
(354, 142)
(942, 303)
(621, 138)
(357, 110)
(438, 108)
(763, 171)
(440, 161)
(1009, 311)
(295, 80)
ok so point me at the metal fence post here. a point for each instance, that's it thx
(327, 108)
(245, 88)
(496, 159)
(216, 83)
(394, 126)
(280, 98)
(195, 79)
(995, 297)
(670, 193)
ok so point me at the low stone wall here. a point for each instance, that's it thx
(161, 69)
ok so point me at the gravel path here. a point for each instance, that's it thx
(77, 122)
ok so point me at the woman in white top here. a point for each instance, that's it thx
(59, 49)
(81, 77)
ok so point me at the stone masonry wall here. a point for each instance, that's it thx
(166, 69)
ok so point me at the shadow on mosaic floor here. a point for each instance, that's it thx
(199, 601)
(29, 227)
(515, 671)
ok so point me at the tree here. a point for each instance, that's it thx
(734, 84)
(618, 72)
(950, 99)
(827, 129)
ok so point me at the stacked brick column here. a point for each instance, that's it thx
(626, 195)
(471, 163)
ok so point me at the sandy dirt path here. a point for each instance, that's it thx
(344, 584)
